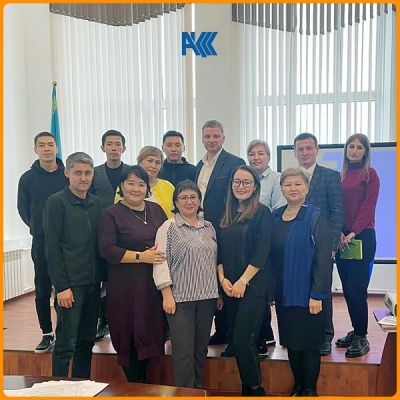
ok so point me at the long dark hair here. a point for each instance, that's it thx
(250, 205)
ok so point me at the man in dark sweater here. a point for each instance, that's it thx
(70, 221)
(45, 177)
(175, 167)
(104, 185)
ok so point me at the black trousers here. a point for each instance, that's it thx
(355, 276)
(327, 306)
(76, 332)
(245, 316)
(305, 366)
(42, 284)
(266, 332)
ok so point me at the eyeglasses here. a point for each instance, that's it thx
(185, 199)
(246, 183)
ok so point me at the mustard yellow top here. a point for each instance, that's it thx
(161, 193)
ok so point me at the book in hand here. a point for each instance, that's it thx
(353, 251)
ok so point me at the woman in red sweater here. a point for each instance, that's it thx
(360, 186)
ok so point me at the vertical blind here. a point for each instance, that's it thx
(328, 69)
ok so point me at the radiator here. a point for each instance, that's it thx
(13, 277)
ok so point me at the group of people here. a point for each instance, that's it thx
(169, 245)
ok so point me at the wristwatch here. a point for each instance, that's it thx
(244, 281)
(137, 258)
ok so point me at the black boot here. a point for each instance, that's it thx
(245, 390)
(310, 392)
(256, 392)
(297, 391)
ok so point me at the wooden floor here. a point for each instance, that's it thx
(21, 334)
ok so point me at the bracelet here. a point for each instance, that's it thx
(137, 257)
(244, 281)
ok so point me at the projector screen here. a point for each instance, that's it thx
(383, 159)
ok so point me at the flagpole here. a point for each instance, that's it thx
(55, 124)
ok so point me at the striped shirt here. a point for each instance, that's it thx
(191, 264)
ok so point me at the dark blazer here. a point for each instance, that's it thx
(326, 193)
(214, 199)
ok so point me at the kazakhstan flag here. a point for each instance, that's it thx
(55, 125)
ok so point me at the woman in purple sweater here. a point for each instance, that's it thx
(360, 186)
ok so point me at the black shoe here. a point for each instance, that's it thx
(245, 390)
(217, 339)
(256, 392)
(46, 344)
(346, 340)
(358, 348)
(297, 391)
(310, 392)
(102, 332)
(229, 351)
(262, 351)
(325, 348)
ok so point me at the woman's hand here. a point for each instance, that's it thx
(238, 289)
(315, 306)
(227, 287)
(349, 238)
(151, 256)
(169, 304)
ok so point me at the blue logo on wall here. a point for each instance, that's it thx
(202, 46)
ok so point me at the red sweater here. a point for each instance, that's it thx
(359, 199)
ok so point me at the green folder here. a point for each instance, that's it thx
(353, 252)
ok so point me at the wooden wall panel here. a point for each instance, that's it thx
(221, 375)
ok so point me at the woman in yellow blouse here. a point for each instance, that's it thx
(150, 158)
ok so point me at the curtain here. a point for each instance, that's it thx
(114, 14)
(129, 78)
(327, 69)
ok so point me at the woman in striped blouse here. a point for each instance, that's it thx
(188, 283)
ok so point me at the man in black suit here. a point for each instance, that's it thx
(213, 174)
(325, 192)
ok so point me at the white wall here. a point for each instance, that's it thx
(27, 100)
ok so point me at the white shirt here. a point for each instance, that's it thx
(311, 170)
(205, 173)
(270, 191)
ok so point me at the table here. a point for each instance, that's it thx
(386, 385)
(114, 389)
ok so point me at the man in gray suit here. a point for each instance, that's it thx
(104, 185)
(325, 192)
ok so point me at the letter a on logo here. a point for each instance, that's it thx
(189, 42)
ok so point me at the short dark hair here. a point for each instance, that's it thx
(43, 134)
(140, 173)
(304, 136)
(187, 184)
(112, 132)
(172, 134)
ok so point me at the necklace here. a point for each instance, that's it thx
(143, 220)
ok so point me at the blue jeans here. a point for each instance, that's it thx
(76, 332)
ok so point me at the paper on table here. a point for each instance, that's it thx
(388, 320)
(60, 389)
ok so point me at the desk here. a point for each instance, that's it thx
(386, 385)
(114, 389)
